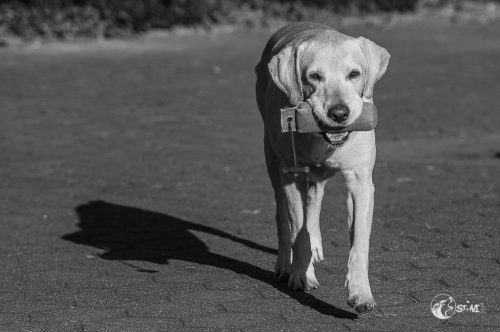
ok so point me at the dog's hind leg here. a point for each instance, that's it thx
(283, 264)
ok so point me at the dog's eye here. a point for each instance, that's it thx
(354, 74)
(315, 76)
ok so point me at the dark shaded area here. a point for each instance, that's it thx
(110, 18)
(62, 19)
(128, 233)
(133, 234)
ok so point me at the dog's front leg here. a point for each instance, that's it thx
(296, 191)
(360, 192)
(313, 209)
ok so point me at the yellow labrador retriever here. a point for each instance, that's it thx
(335, 74)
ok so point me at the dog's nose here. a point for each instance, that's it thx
(339, 112)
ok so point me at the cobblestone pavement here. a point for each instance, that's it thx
(135, 196)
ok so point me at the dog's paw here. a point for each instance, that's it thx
(361, 303)
(358, 286)
(360, 295)
(303, 281)
(316, 250)
(282, 268)
(282, 271)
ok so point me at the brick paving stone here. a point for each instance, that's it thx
(134, 324)
(295, 326)
(233, 320)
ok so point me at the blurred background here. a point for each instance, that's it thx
(64, 19)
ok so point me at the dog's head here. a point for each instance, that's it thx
(334, 73)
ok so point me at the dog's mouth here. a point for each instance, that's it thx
(336, 140)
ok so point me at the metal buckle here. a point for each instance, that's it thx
(288, 122)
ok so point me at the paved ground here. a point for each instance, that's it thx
(135, 198)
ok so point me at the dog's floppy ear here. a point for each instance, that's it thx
(284, 70)
(377, 60)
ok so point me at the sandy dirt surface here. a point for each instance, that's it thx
(135, 196)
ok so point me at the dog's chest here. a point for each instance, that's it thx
(324, 161)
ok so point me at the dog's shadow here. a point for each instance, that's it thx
(128, 233)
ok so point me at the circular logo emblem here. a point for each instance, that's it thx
(443, 306)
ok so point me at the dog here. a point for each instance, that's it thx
(335, 74)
